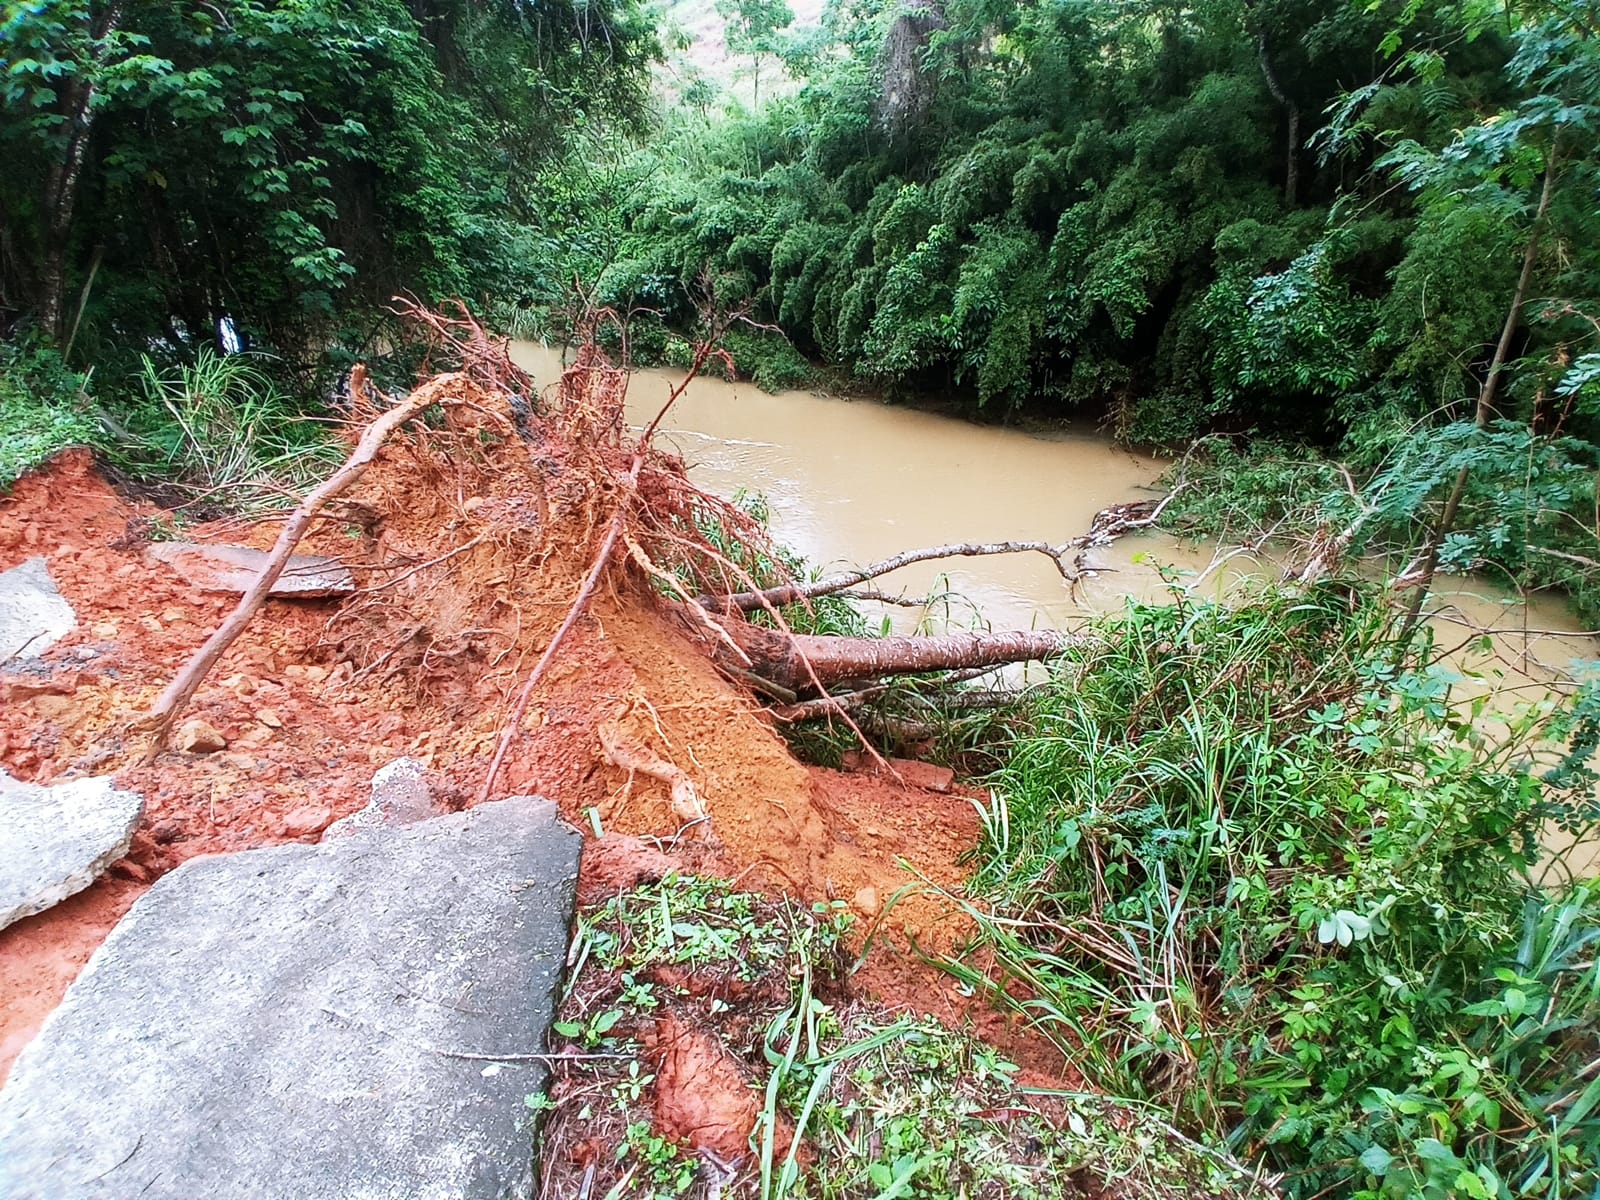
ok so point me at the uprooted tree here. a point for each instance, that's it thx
(551, 495)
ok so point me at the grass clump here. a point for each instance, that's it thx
(1251, 864)
(841, 1099)
(222, 430)
(44, 409)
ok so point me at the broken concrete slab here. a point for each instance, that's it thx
(360, 1018)
(57, 840)
(222, 568)
(401, 795)
(34, 615)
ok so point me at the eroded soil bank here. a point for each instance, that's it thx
(317, 695)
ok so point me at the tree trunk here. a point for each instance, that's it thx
(1485, 406)
(800, 663)
(1291, 172)
(61, 187)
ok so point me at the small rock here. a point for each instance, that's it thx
(401, 795)
(166, 832)
(200, 737)
(305, 819)
(54, 707)
(924, 775)
(269, 718)
(866, 902)
(912, 772)
(254, 738)
(15, 688)
(106, 629)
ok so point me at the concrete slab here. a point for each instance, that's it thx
(55, 841)
(221, 568)
(34, 615)
(354, 1019)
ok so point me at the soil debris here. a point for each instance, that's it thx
(471, 545)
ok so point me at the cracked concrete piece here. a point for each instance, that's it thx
(349, 1019)
(219, 568)
(55, 841)
(34, 615)
(401, 795)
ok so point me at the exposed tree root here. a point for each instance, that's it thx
(634, 758)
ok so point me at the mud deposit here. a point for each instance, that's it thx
(317, 694)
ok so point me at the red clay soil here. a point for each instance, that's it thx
(701, 1094)
(317, 694)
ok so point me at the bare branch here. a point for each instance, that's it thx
(1108, 525)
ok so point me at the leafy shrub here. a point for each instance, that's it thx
(767, 358)
(1248, 863)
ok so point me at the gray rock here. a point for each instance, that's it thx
(55, 841)
(332, 1021)
(401, 795)
(34, 615)
(222, 568)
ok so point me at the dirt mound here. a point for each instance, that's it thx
(468, 540)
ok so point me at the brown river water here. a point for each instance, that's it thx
(853, 481)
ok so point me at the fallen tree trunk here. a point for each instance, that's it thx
(799, 663)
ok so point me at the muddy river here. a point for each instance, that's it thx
(852, 481)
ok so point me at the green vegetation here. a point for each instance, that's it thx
(1258, 869)
(889, 1107)
(1086, 207)
(199, 175)
(43, 409)
(1251, 864)
(221, 428)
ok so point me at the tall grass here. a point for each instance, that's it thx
(1248, 863)
(223, 430)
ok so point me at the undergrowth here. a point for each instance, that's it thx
(44, 408)
(1248, 863)
(218, 432)
(224, 432)
(839, 1098)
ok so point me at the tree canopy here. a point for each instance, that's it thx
(287, 165)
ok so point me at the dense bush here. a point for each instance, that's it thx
(286, 168)
(1250, 863)
(1092, 208)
